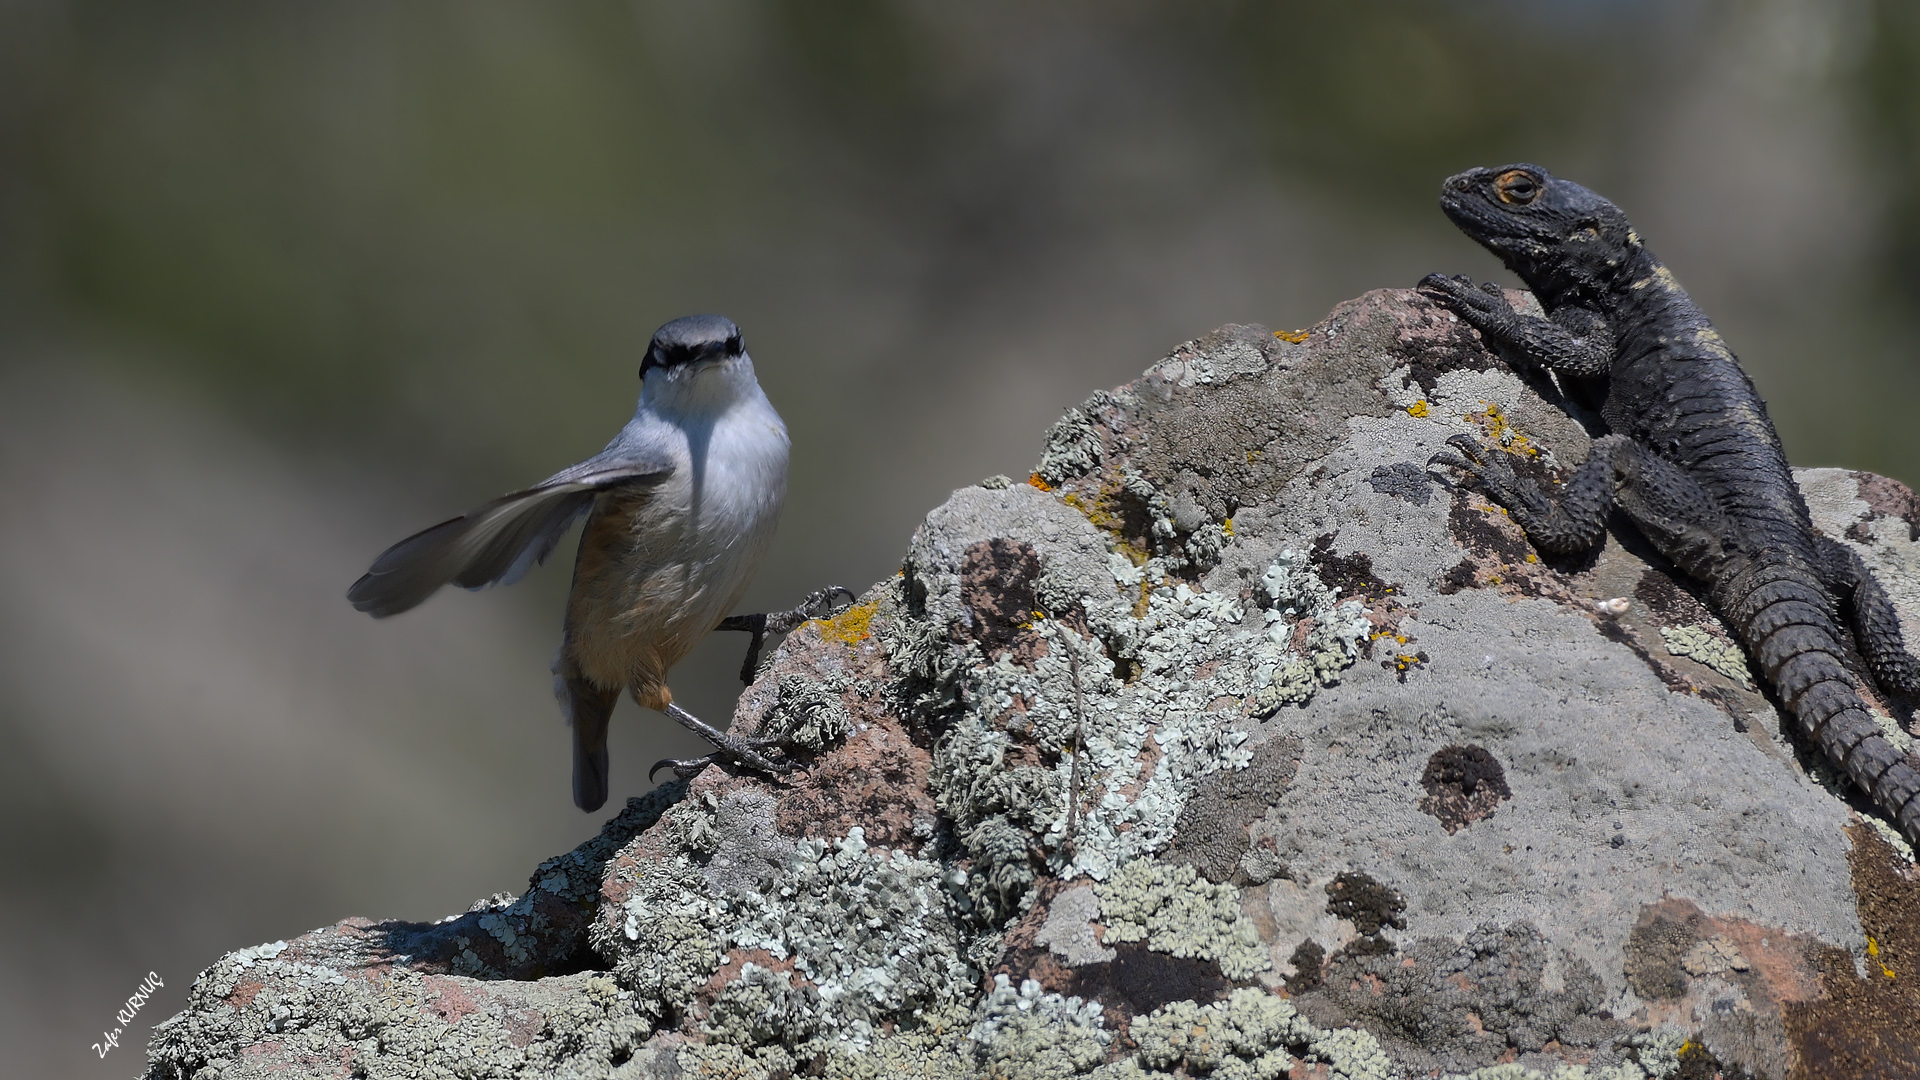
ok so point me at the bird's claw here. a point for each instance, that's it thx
(818, 604)
(736, 751)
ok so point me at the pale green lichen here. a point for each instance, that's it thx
(1291, 592)
(873, 931)
(1625, 1070)
(1026, 1034)
(807, 714)
(1244, 1037)
(1175, 911)
(1891, 728)
(1143, 739)
(1253, 1035)
(1660, 1052)
(670, 920)
(1073, 446)
(1703, 646)
(868, 940)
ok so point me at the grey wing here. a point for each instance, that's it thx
(501, 540)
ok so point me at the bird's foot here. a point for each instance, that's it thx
(749, 753)
(727, 748)
(818, 604)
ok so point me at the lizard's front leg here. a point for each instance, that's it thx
(1573, 523)
(1575, 342)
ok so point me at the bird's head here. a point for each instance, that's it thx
(695, 362)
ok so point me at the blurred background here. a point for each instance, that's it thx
(281, 283)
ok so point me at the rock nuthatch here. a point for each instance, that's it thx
(680, 508)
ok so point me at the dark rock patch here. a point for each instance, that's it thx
(1403, 480)
(1657, 948)
(1671, 601)
(1307, 959)
(1452, 1007)
(1211, 834)
(1887, 497)
(1351, 574)
(1464, 784)
(1473, 529)
(996, 585)
(1863, 1028)
(1438, 344)
(1464, 574)
(1371, 906)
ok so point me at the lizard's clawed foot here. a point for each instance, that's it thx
(1474, 303)
(1490, 472)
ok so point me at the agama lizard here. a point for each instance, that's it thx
(1690, 457)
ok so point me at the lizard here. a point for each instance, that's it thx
(1689, 455)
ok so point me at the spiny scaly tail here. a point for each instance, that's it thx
(1784, 616)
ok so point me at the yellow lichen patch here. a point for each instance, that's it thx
(1502, 431)
(1873, 953)
(1100, 518)
(1228, 526)
(1292, 337)
(1141, 606)
(1418, 408)
(852, 626)
(1039, 483)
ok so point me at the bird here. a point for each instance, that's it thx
(681, 507)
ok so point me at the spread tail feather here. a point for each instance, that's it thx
(588, 709)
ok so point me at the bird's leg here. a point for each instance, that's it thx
(816, 604)
(727, 747)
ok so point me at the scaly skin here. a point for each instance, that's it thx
(1691, 458)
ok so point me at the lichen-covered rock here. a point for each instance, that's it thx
(1230, 744)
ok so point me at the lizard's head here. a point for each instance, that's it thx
(1558, 236)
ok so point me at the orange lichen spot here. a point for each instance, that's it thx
(852, 626)
(1039, 483)
(1531, 557)
(1419, 408)
(1292, 337)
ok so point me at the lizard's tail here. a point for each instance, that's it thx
(1791, 630)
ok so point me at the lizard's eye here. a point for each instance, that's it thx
(1516, 188)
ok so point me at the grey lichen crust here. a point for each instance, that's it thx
(1133, 771)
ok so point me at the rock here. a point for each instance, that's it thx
(1230, 744)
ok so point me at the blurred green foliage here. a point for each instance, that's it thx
(417, 222)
